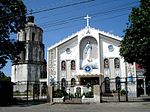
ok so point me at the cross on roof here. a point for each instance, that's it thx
(87, 20)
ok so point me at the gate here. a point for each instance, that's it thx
(123, 89)
(73, 96)
(114, 90)
(67, 92)
(29, 91)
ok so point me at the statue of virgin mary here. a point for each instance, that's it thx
(87, 51)
(88, 59)
(87, 54)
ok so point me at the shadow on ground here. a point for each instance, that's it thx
(24, 103)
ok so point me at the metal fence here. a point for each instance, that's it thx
(123, 89)
(126, 89)
(111, 90)
(27, 91)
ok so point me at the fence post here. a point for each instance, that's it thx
(50, 94)
(101, 101)
(118, 95)
(27, 89)
(118, 87)
(126, 86)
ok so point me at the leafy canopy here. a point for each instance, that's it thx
(135, 47)
(4, 78)
(12, 19)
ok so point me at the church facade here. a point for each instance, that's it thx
(91, 57)
(88, 56)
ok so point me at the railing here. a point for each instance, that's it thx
(123, 89)
(29, 90)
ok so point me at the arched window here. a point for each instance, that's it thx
(106, 63)
(63, 65)
(130, 77)
(33, 36)
(24, 55)
(118, 83)
(73, 82)
(73, 65)
(107, 84)
(63, 84)
(25, 35)
(117, 63)
(78, 91)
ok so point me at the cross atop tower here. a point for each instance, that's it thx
(87, 20)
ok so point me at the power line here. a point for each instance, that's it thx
(61, 22)
(110, 10)
(57, 2)
(60, 7)
(35, 12)
(103, 19)
(79, 8)
(120, 9)
(81, 17)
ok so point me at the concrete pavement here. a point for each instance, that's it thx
(102, 107)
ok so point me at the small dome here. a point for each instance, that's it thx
(30, 18)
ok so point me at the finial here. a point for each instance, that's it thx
(87, 20)
(30, 17)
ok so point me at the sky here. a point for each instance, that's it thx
(61, 18)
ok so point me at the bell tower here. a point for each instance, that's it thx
(31, 64)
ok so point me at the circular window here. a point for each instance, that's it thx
(68, 50)
(110, 48)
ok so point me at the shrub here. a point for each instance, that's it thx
(72, 96)
(78, 95)
(60, 93)
(16, 93)
(113, 91)
(89, 95)
(123, 92)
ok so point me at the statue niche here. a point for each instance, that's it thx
(88, 53)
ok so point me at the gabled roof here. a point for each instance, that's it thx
(82, 30)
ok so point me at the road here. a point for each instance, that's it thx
(104, 107)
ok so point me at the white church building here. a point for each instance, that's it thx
(89, 55)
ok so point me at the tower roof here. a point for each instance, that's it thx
(30, 18)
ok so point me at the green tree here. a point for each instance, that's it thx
(4, 78)
(135, 47)
(12, 19)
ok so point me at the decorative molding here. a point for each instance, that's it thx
(84, 30)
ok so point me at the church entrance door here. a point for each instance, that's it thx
(89, 81)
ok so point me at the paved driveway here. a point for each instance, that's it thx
(104, 107)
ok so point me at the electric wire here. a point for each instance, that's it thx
(63, 22)
(44, 10)
(81, 17)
